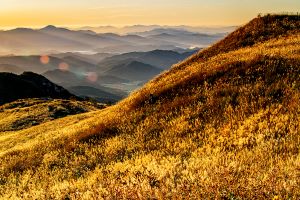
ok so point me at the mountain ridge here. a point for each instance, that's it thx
(29, 85)
(133, 70)
(51, 39)
(257, 30)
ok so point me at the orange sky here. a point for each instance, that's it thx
(38, 13)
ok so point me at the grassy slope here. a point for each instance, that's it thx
(25, 113)
(221, 127)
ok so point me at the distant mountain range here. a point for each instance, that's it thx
(143, 28)
(51, 40)
(99, 64)
(72, 69)
(162, 59)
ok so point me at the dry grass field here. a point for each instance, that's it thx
(224, 124)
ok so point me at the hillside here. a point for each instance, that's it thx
(29, 85)
(82, 65)
(257, 30)
(25, 113)
(68, 78)
(65, 78)
(162, 59)
(77, 82)
(133, 71)
(223, 124)
(95, 93)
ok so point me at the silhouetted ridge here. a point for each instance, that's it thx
(29, 85)
(49, 27)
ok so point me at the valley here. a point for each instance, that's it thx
(109, 62)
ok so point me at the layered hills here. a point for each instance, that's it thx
(133, 71)
(51, 39)
(114, 75)
(162, 59)
(223, 124)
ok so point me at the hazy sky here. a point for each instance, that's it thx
(36, 13)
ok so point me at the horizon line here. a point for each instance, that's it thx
(6, 28)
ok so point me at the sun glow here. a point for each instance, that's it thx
(33, 13)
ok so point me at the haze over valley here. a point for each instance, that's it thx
(105, 66)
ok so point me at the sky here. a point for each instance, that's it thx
(38, 13)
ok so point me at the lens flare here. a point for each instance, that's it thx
(92, 76)
(63, 66)
(44, 59)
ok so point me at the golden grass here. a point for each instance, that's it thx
(224, 128)
(25, 113)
